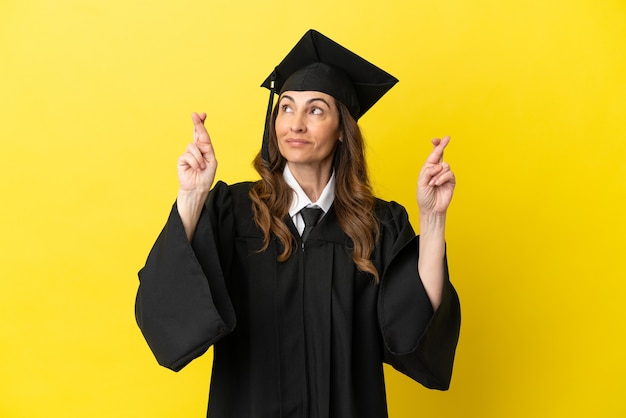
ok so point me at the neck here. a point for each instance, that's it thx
(312, 179)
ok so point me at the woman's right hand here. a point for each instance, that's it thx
(197, 166)
(196, 172)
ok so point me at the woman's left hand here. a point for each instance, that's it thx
(436, 181)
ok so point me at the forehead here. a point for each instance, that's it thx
(307, 96)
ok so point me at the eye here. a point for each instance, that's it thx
(285, 108)
(316, 110)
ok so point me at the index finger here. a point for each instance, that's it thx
(436, 156)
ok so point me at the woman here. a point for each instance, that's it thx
(303, 311)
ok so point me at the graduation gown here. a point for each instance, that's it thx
(302, 338)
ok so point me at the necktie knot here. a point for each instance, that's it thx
(310, 216)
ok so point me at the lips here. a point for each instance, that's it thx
(296, 142)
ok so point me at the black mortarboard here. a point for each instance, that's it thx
(318, 63)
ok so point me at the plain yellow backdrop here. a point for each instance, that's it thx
(95, 104)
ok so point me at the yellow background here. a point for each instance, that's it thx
(95, 103)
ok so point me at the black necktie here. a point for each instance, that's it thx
(310, 216)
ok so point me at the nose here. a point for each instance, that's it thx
(297, 122)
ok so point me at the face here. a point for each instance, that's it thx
(307, 128)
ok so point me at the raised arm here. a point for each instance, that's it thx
(435, 187)
(196, 173)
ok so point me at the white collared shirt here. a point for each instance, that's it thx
(301, 200)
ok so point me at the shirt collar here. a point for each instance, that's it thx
(301, 200)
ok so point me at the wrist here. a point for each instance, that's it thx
(191, 200)
(189, 204)
(192, 194)
(432, 223)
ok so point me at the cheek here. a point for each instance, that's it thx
(330, 136)
(280, 124)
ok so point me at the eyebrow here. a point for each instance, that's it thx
(314, 99)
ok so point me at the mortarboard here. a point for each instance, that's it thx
(318, 63)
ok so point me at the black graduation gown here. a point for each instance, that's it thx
(303, 338)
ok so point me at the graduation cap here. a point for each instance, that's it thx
(318, 63)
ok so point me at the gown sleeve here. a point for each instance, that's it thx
(418, 342)
(182, 305)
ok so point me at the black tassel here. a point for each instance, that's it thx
(265, 153)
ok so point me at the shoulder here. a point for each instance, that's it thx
(235, 188)
(389, 210)
(222, 191)
(393, 220)
(236, 196)
(224, 197)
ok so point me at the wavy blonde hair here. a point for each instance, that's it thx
(354, 201)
